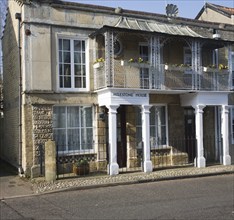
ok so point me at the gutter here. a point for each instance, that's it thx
(20, 169)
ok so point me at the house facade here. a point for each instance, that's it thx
(222, 15)
(128, 90)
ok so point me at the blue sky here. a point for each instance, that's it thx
(187, 8)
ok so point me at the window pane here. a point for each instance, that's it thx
(60, 57)
(60, 138)
(161, 115)
(78, 82)
(84, 83)
(161, 134)
(86, 138)
(73, 139)
(67, 70)
(77, 70)
(83, 57)
(60, 44)
(61, 82)
(144, 54)
(77, 57)
(83, 45)
(66, 45)
(83, 70)
(86, 117)
(73, 116)
(59, 117)
(60, 69)
(66, 57)
(77, 45)
(67, 82)
(153, 140)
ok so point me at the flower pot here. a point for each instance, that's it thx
(81, 170)
(135, 64)
(98, 65)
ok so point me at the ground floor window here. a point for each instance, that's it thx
(232, 123)
(158, 126)
(73, 128)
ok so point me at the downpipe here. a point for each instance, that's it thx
(20, 169)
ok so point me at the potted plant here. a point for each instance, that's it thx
(98, 63)
(81, 167)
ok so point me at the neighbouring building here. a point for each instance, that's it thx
(1, 111)
(128, 90)
(222, 15)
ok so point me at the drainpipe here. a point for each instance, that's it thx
(20, 169)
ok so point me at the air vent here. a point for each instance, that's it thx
(172, 10)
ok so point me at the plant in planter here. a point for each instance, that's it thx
(81, 167)
(98, 63)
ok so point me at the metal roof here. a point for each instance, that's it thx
(153, 26)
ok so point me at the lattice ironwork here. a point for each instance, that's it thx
(109, 57)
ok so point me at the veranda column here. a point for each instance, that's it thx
(224, 132)
(201, 161)
(146, 138)
(113, 166)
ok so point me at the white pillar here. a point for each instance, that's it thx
(113, 166)
(200, 160)
(224, 132)
(146, 138)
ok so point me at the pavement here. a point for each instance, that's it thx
(12, 186)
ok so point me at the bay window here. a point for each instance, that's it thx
(73, 128)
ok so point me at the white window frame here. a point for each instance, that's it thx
(78, 151)
(72, 39)
(185, 56)
(232, 123)
(142, 70)
(166, 124)
(232, 70)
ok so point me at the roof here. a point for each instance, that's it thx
(147, 26)
(156, 27)
(218, 8)
(145, 21)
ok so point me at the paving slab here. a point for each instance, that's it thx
(12, 185)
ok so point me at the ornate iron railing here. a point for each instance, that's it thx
(161, 77)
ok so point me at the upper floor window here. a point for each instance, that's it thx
(187, 56)
(144, 72)
(233, 70)
(72, 65)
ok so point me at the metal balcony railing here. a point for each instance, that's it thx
(162, 77)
